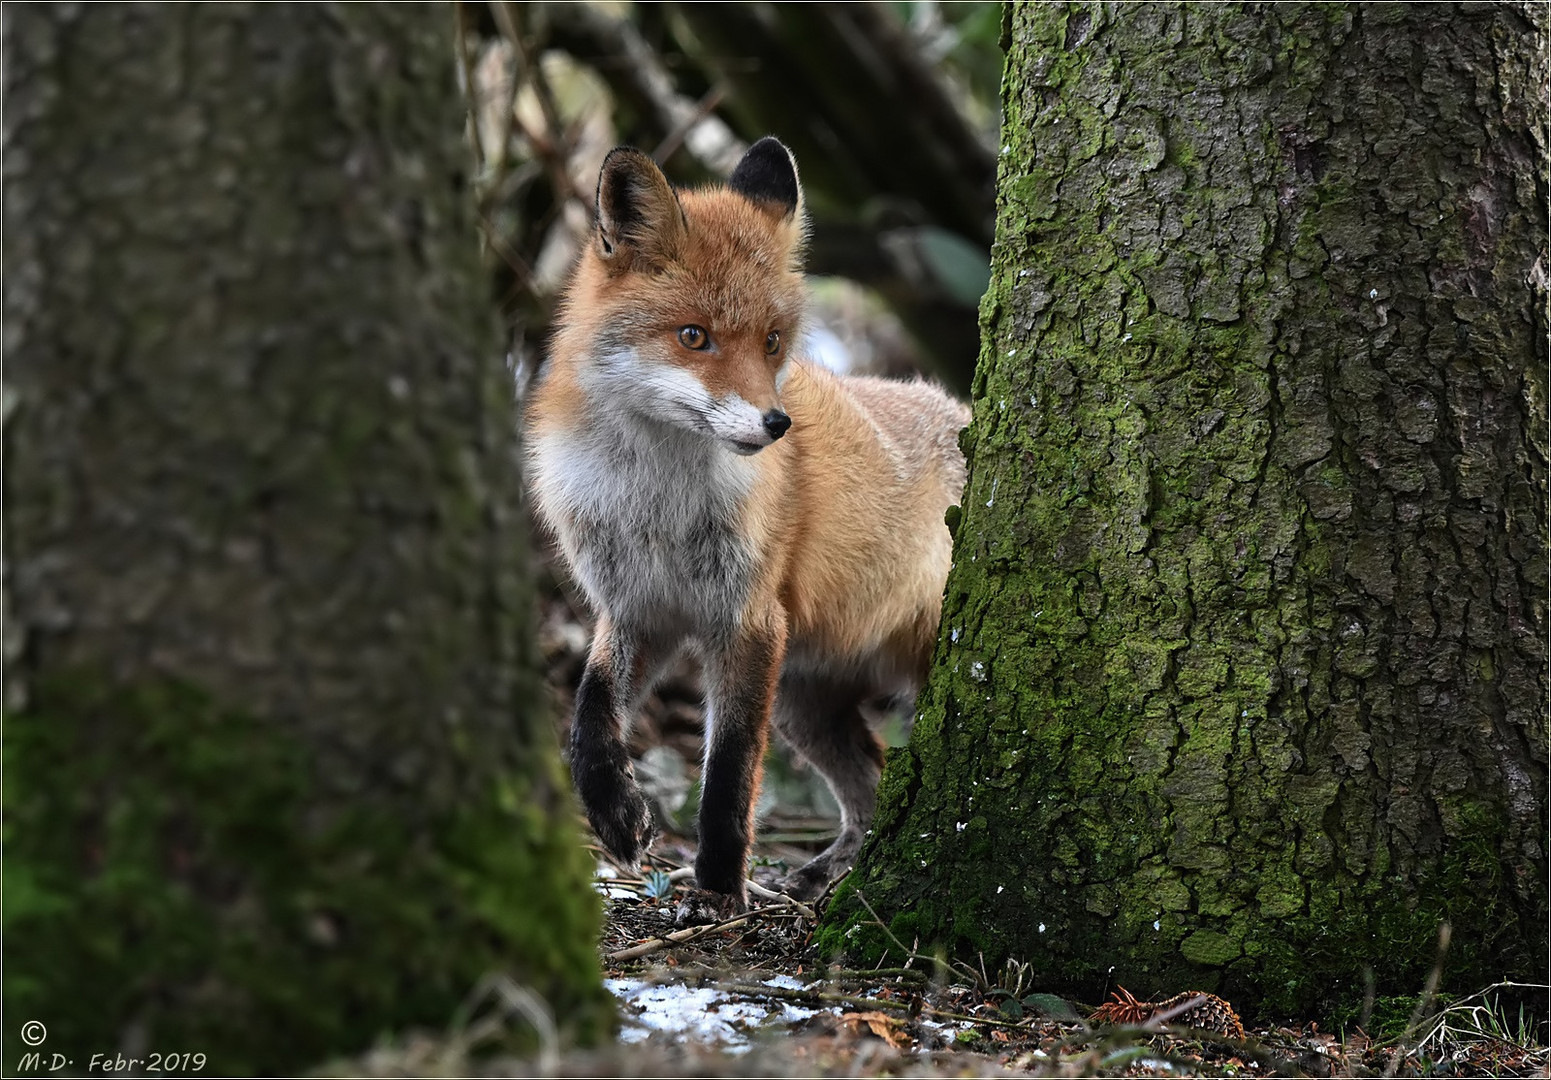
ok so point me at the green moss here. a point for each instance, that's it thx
(1209, 948)
(175, 866)
(1389, 1018)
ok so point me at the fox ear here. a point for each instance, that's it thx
(639, 218)
(768, 175)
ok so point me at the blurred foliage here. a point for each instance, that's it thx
(891, 109)
(964, 41)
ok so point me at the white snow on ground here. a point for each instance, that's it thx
(603, 873)
(703, 1013)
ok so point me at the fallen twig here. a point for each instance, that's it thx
(679, 937)
(863, 975)
(910, 954)
(684, 873)
(780, 898)
(785, 993)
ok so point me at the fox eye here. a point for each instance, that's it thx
(773, 342)
(694, 337)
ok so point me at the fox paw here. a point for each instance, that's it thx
(703, 906)
(615, 808)
(624, 824)
(808, 882)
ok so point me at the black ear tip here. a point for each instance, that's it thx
(767, 174)
(622, 159)
(769, 145)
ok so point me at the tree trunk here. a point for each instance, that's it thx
(278, 778)
(1242, 677)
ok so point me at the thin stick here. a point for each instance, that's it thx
(678, 937)
(910, 954)
(1423, 1003)
(707, 105)
(551, 145)
(763, 893)
(684, 873)
(784, 993)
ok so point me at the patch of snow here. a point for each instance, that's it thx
(942, 1032)
(785, 982)
(703, 1013)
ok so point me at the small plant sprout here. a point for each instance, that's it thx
(659, 885)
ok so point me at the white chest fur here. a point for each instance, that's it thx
(647, 515)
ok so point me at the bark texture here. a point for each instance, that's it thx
(1242, 677)
(278, 777)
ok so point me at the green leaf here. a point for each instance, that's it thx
(961, 268)
(1051, 1007)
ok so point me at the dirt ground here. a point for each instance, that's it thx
(751, 998)
(918, 1022)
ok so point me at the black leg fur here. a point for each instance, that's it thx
(601, 771)
(822, 720)
(740, 685)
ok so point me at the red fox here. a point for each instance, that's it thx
(711, 490)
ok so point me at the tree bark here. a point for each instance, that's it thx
(278, 776)
(1242, 677)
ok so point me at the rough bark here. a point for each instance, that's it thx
(1242, 677)
(278, 778)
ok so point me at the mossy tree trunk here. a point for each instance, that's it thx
(277, 774)
(1242, 676)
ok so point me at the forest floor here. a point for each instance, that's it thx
(750, 998)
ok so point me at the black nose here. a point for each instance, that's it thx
(776, 422)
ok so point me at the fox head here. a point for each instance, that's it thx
(687, 303)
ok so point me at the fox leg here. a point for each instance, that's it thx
(740, 687)
(821, 719)
(620, 669)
